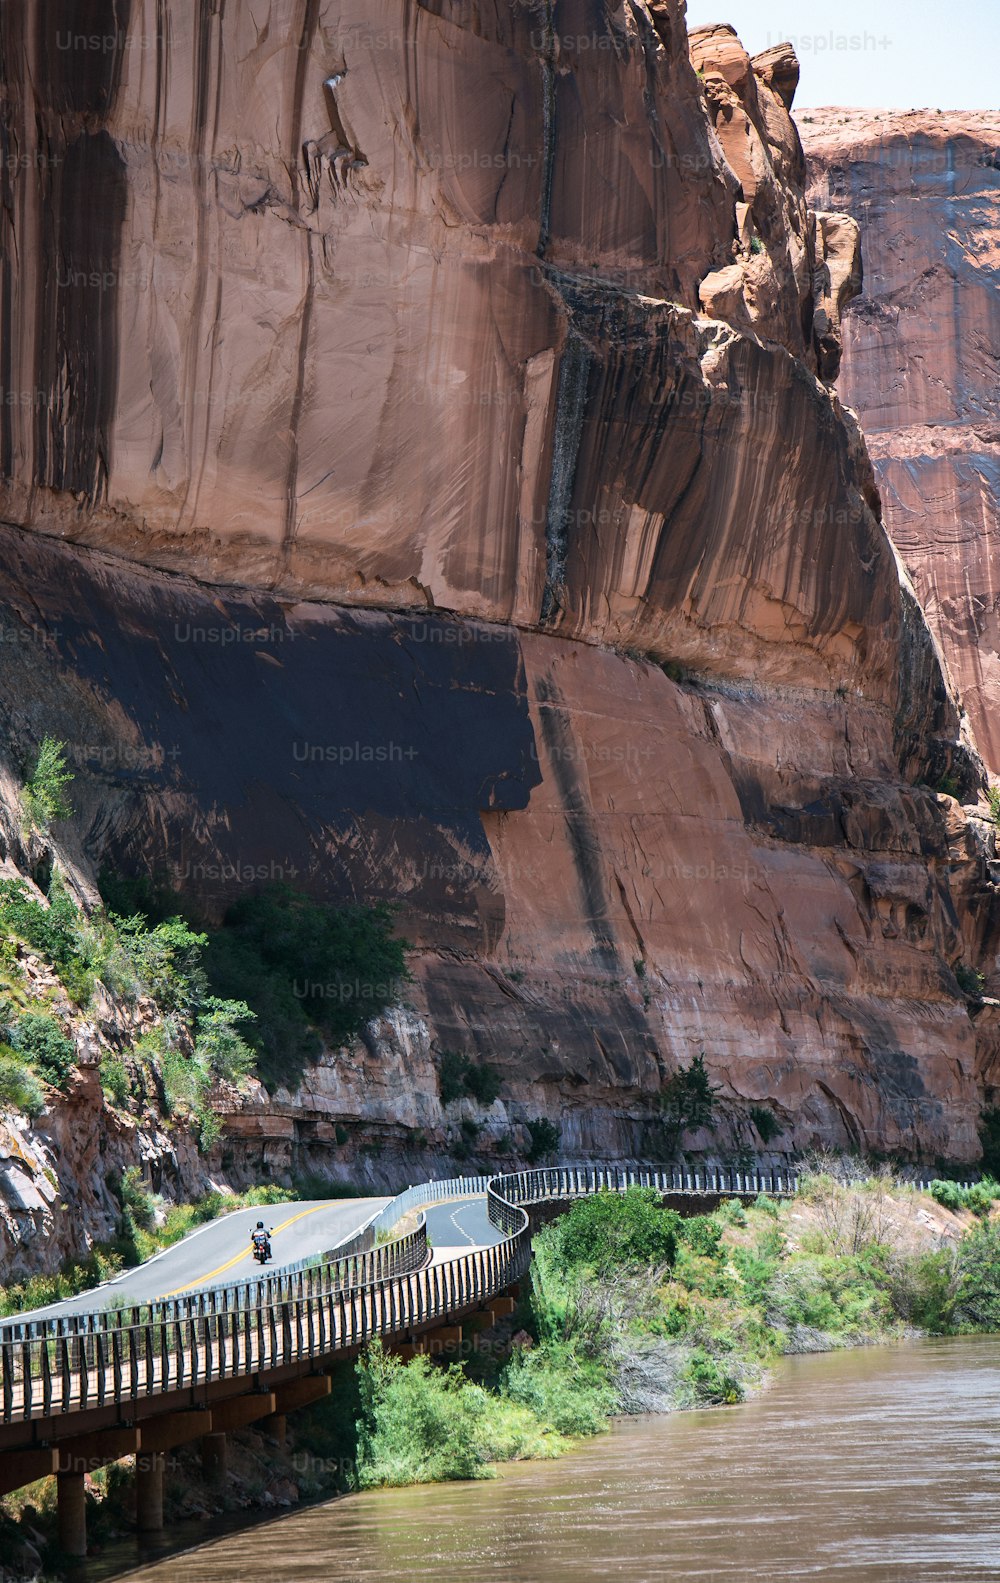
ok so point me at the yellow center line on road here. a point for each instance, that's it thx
(246, 1254)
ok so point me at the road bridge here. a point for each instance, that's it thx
(82, 1388)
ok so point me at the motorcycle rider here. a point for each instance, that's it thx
(259, 1237)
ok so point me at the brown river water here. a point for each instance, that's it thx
(859, 1467)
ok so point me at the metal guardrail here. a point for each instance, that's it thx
(532, 1187)
(92, 1359)
(358, 1260)
(506, 1193)
(338, 1271)
(433, 1192)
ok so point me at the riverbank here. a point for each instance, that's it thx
(633, 1309)
(629, 1309)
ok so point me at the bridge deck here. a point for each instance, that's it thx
(51, 1371)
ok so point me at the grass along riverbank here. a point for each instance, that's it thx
(633, 1309)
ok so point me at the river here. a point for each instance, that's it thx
(877, 1466)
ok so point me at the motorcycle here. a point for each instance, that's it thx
(262, 1249)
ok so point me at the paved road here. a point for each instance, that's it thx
(218, 1253)
(461, 1224)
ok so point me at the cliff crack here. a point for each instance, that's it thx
(548, 126)
(571, 401)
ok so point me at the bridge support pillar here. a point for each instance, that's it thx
(71, 1507)
(149, 1491)
(213, 1457)
(276, 1427)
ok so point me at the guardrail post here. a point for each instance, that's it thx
(7, 1367)
(101, 1366)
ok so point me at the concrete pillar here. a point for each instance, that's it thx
(149, 1491)
(276, 1427)
(213, 1457)
(71, 1499)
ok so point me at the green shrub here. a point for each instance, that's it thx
(731, 1213)
(137, 1203)
(451, 1076)
(687, 1099)
(711, 1381)
(970, 981)
(611, 1230)
(209, 1128)
(420, 1424)
(922, 1289)
(37, 1036)
(767, 1124)
(45, 799)
(767, 1206)
(58, 932)
(977, 1299)
(459, 1076)
(978, 1197)
(483, 1084)
(469, 1132)
(302, 965)
(544, 1138)
(184, 1079)
(218, 1046)
(566, 1392)
(20, 1089)
(702, 1234)
(115, 1080)
(949, 1194)
(163, 962)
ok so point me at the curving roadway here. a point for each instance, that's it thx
(218, 1253)
(460, 1224)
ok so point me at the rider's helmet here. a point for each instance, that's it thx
(260, 1225)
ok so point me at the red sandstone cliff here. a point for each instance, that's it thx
(521, 338)
(922, 360)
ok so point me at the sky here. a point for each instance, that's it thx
(896, 54)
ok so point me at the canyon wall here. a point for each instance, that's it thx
(425, 481)
(922, 360)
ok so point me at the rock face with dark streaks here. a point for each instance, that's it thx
(434, 489)
(922, 361)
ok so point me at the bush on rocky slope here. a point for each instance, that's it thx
(304, 968)
(44, 795)
(219, 1006)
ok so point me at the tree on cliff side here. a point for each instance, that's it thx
(44, 797)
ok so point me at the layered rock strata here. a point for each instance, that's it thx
(441, 496)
